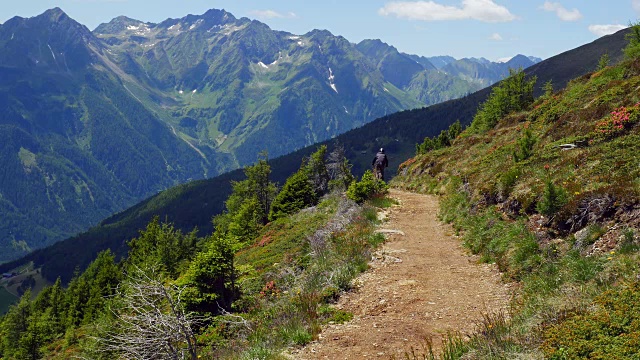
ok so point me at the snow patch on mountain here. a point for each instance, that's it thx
(331, 80)
(196, 24)
(504, 59)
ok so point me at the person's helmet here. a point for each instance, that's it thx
(381, 150)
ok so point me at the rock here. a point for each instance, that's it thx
(390, 231)
(581, 236)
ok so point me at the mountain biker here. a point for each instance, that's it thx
(379, 163)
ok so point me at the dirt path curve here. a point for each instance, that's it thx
(420, 285)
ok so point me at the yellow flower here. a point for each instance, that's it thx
(609, 258)
(577, 193)
(612, 252)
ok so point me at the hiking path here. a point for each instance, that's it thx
(421, 284)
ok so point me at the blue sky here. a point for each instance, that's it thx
(493, 29)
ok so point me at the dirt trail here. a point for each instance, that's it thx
(420, 285)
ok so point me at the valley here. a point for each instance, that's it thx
(96, 121)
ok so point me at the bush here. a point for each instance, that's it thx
(525, 146)
(610, 332)
(367, 187)
(553, 198)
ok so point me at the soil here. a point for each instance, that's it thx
(421, 285)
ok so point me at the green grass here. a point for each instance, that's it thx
(382, 202)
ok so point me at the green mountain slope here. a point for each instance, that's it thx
(76, 145)
(194, 204)
(241, 87)
(453, 78)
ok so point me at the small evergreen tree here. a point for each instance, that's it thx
(525, 144)
(548, 89)
(22, 330)
(317, 171)
(604, 61)
(161, 244)
(632, 50)
(209, 283)
(454, 130)
(248, 206)
(512, 94)
(553, 199)
(296, 194)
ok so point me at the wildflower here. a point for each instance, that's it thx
(546, 167)
(609, 258)
(577, 193)
(612, 252)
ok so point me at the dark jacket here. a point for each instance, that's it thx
(381, 159)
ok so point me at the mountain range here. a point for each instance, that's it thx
(192, 205)
(95, 121)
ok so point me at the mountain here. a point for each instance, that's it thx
(483, 72)
(438, 61)
(415, 75)
(431, 84)
(398, 68)
(76, 144)
(192, 205)
(95, 121)
(239, 87)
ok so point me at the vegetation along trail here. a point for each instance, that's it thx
(421, 285)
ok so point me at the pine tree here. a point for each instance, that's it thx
(296, 194)
(209, 283)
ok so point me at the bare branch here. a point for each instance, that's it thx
(152, 323)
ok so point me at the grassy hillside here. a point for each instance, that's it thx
(551, 194)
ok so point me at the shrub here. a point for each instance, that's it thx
(553, 198)
(612, 331)
(524, 149)
(620, 119)
(367, 187)
(604, 61)
(443, 140)
(508, 180)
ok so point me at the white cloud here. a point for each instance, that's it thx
(481, 10)
(272, 14)
(562, 12)
(602, 30)
(496, 37)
